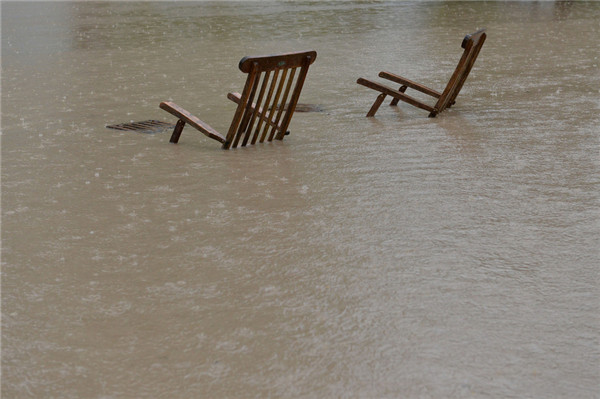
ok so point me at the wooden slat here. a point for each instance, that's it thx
(274, 105)
(267, 105)
(247, 113)
(291, 106)
(281, 105)
(239, 123)
(255, 110)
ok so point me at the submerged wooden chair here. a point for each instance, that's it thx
(471, 43)
(263, 110)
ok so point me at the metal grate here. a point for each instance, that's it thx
(149, 127)
(308, 108)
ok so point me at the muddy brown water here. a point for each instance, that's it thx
(398, 256)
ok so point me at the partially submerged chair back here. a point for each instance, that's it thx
(266, 104)
(471, 44)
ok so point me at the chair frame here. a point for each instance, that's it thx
(272, 76)
(471, 44)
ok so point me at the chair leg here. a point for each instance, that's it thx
(395, 101)
(177, 131)
(376, 105)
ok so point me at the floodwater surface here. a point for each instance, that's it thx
(395, 256)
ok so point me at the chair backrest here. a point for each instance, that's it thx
(269, 99)
(472, 44)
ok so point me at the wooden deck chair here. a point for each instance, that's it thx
(471, 43)
(263, 110)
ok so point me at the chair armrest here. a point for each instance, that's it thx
(235, 97)
(394, 93)
(410, 83)
(185, 116)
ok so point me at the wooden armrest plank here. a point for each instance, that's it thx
(185, 116)
(409, 83)
(394, 93)
(235, 97)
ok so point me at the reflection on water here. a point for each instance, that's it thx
(396, 256)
